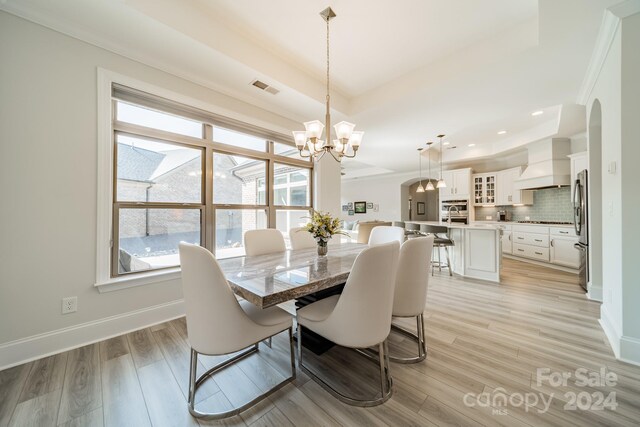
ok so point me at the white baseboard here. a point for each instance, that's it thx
(610, 331)
(37, 346)
(594, 293)
(630, 350)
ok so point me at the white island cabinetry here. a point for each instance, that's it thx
(476, 252)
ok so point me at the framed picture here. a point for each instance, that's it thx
(369, 205)
(360, 207)
(350, 212)
(350, 205)
(345, 208)
(421, 209)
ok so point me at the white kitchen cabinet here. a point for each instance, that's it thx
(484, 188)
(458, 184)
(507, 243)
(506, 193)
(562, 252)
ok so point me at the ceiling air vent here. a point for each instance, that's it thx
(263, 86)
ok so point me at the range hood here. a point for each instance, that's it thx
(548, 165)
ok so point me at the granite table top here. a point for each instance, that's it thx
(267, 280)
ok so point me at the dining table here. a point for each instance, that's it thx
(272, 279)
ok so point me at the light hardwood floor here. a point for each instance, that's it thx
(481, 337)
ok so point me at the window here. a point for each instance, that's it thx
(185, 175)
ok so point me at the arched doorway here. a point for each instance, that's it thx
(410, 199)
(595, 201)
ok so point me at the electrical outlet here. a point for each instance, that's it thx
(488, 217)
(527, 218)
(69, 305)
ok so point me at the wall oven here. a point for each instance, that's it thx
(459, 210)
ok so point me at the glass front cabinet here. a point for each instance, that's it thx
(484, 189)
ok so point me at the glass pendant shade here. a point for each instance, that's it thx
(300, 137)
(314, 129)
(430, 186)
(441, 183)
(356, 138)
(344, 130)
(420, 188)
(339, 146)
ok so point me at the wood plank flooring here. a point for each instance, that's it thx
(483, 339)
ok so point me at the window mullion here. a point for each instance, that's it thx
(271, 221)
(210, 230)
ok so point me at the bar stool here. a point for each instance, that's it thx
(441, 240)
(411, 229)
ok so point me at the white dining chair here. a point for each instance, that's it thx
(265, 241)
(300, 238)
(386, 234)
(218, 324)
(410, 296)
(358, 318)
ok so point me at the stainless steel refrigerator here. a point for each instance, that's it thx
(581, 222)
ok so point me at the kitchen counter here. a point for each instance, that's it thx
(476, 252)
(454, 225)
(521, 223)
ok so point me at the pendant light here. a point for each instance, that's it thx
(441, 183)
(430, 186)
(420, 188)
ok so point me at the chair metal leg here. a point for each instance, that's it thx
(446, 249)
(439, 259)
(193, 364)
(194, 384)
(386, 382)
(418, 337)
(433, 264)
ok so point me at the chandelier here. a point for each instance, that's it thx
(309, 138)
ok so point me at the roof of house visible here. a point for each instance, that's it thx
(137, 164)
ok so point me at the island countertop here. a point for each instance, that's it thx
(456, 225)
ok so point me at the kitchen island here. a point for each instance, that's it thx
(476, 252)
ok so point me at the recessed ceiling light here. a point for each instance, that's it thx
(446, 143)
(502, 132)
(472, 145)
(537, 113)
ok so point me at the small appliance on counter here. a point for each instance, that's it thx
(504, 216)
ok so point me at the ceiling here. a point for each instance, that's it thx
(403, 71)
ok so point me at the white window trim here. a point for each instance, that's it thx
(106, 79)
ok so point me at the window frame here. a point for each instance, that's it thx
(208, 147)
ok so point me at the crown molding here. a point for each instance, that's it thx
(608, 29)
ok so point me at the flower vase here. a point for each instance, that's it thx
(323, 248)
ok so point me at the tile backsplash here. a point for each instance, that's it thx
(550, 204)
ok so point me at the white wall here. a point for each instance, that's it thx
(630, 177)
(618, 90)
(386, 191)
(48, 156)
(327, 186)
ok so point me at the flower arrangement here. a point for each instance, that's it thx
(323, 226)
